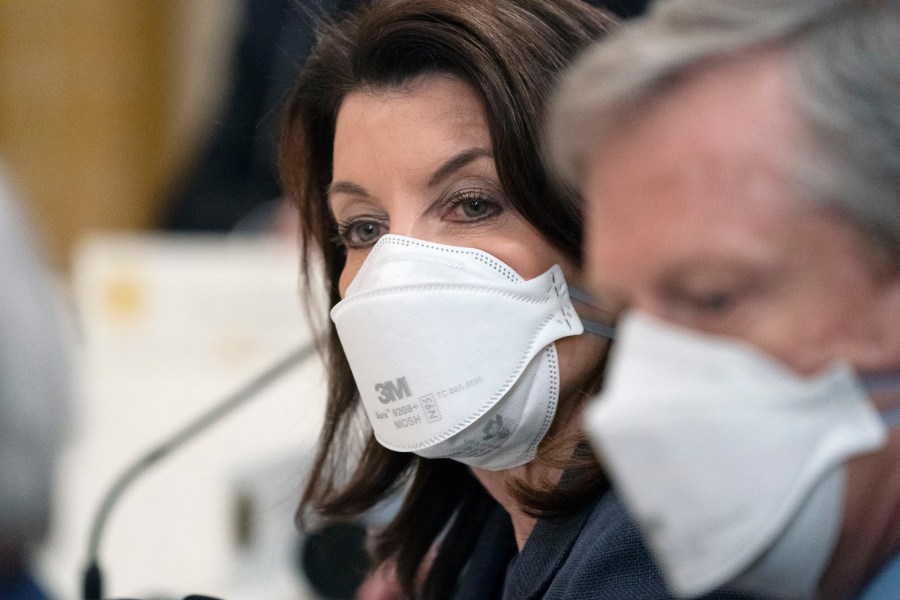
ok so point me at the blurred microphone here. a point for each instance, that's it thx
(92, 583)
(334, 559)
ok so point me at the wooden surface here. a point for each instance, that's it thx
(95, 105)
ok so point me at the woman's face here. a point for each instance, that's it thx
(418, 162)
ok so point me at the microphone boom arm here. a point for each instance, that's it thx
(93, 586)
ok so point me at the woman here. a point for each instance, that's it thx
(410, 143)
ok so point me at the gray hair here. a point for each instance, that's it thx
(845, 59)
(34, 381)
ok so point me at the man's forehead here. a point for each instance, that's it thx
(729, 103)
(699, 173)
(733, 120)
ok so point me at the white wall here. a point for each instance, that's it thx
(168, 327)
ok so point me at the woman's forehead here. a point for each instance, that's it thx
(411, 131)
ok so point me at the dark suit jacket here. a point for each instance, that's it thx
(598, 553)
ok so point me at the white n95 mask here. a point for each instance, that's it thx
(453, 352)
(732, 465)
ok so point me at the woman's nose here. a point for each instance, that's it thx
(420, 227)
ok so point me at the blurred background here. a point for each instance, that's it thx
(137, 137)
(104, 104)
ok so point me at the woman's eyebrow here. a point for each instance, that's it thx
(449, 167)
(457, 162)
(346, 187)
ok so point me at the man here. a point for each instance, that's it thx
(740, 161)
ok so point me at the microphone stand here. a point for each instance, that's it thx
(92, 583)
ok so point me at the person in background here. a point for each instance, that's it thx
(34, 394)
(741, 165)
(460, 354)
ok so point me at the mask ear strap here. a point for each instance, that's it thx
(598, 329)
(880, 382)
(891, 417)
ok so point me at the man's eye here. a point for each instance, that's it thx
(716, 302)
(696, 307)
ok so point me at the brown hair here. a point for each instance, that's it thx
(510, 52)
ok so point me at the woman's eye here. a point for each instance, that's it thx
(472, 207)
(360, 234)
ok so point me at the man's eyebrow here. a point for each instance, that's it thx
(346, 187)
(456, 163)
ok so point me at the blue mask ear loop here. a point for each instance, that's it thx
(598, 329)
(891, 417)
(879, 382)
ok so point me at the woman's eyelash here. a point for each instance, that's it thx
(468, 195)
(337, 239)
(349, 229)
(477, 204)
(488, 205)
(343, 227)
(342, 230)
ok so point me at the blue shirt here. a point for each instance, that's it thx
(886, 585)
(19, 585)
(596, 554)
